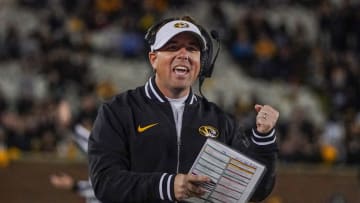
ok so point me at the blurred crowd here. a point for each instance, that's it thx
(60, 46)
(329, 66)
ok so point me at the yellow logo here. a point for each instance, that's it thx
(142, 129)
(181, 25)
(208, 131)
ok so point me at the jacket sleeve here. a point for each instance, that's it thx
(109, 164)
(84, 189)
(262, 148)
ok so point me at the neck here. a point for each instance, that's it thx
(173, 93)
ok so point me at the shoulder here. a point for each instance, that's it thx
(209, 105)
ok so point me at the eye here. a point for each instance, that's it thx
(192, 48)
(170, 47)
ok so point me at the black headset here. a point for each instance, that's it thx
(206, 57)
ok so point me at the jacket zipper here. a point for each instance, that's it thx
(178, 156)
(178, 153)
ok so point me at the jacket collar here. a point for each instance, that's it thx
(152, 92)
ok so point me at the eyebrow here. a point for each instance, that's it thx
(193, 43)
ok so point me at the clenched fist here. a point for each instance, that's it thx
(266, 118)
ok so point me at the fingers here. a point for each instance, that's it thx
(266, 118)
(258, 107)
(180, 188)
(62, 181)
(195, 190)
(195, 184)
(197, 178)
(189, 185)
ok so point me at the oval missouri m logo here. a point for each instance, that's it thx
(208, 131)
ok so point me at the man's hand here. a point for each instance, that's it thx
(188, 185)
(266, 118)
(62, 181)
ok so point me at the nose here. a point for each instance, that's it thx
(183, 54)
(184, 57)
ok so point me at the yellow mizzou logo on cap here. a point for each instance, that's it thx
(209, 131)
(181, 25)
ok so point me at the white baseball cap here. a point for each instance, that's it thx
(172, 28)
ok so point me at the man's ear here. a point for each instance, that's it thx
(153, 59)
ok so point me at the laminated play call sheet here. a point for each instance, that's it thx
(234, 176)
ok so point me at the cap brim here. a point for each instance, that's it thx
(173, 28)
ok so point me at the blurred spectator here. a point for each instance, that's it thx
(2, 138)
(341, 25)
(108, 6)
(34, 3)
(337, 84)
(14, 127)
(4, 157)
(284, 64)
(156, 6)
(332, 140)
(3, 103)
(131, 41)
(265, 50)
(65, 181)
(298, 140)
(87, 112)
(220, 21)
(11, 42)
(105, 89)
(242, 48)
(264, 47)
(324, 20)
(353, 141)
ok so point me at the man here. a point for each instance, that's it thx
(83, 188)
(144, 141)
(65, 181)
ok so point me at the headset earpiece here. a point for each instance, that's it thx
(207, 60)
(149, 36)
(206, 55)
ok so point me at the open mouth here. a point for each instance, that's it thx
(181, 70)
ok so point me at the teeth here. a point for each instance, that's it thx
(181, 69)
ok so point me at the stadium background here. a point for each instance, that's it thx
(60, 58)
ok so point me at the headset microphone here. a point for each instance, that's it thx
(207, 74)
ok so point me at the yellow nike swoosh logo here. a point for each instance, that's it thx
(142, 129)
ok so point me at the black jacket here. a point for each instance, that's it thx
(134, 152)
